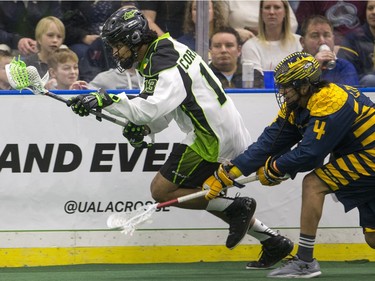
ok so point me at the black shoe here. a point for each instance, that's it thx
(239, 213)
(274, 250)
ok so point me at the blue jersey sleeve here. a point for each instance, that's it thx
(277, 138)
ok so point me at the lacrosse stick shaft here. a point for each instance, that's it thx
(98, 114)
(199, 194)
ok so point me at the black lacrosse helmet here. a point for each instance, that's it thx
(125, 27)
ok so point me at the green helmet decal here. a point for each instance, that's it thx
(129, 14)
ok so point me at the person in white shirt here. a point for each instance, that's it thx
(243, 16)
(275, 39)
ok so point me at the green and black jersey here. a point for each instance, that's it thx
(178, 85)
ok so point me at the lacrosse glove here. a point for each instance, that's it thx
(221, 179)
(269, 174)
(82, 104)
(135, 135)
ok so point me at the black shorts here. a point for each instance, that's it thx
(186, 168)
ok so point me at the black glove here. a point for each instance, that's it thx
(135, 135)
(82, 104)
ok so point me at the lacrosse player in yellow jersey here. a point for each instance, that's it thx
(179, 85)
(324, 119)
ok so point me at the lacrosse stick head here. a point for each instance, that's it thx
(128, 222)
(21, 76)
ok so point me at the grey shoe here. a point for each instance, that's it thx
(296, 268)
(239, 213)
(274, 250)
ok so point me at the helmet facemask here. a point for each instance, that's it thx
(280, 98)
(295, 71)
(123, 63)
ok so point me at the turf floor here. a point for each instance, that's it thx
(215, 271)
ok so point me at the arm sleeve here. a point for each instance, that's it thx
(271, 142)
(167, 95)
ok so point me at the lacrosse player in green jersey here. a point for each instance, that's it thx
(178, 84)
(324, 119)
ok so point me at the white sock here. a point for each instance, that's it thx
(261, 231)
(219, 204)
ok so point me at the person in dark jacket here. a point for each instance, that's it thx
(358, 48)
(225, 50)
(317, 39)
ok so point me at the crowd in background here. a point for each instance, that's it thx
(339, 34)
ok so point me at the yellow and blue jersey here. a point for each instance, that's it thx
(338, 119)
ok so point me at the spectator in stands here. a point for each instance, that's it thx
(358, 48)
(84, 21)
(243, 16)
(344, 15)
(5, 58)
(63, 70)
(114, 79)
(275, 39)
(49, 35)
(164, 16)
(225, 48)
(18, 20)
(317, 31)
(216, 21)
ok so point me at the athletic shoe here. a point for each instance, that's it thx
(296, 268)
(239, 214)
(274, 250)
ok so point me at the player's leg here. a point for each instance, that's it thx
(275, 247)
(236, 212)
(304, 265)
(183, 173)
(370, 236)
(352, 184)
(367, 221)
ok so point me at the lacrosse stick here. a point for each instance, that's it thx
(128, 223)
(21, 77)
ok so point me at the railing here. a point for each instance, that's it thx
(136, 91)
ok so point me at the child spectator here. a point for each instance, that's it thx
(317, 31)
(18, 20)
(216, 21)
(225, 48)
(5, 58)
(49, 35)
(358, 48)
(275, 39)
(63, 70)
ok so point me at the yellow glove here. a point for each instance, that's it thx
(269, 174)
(220, 179)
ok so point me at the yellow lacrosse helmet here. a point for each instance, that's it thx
(296, 69)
